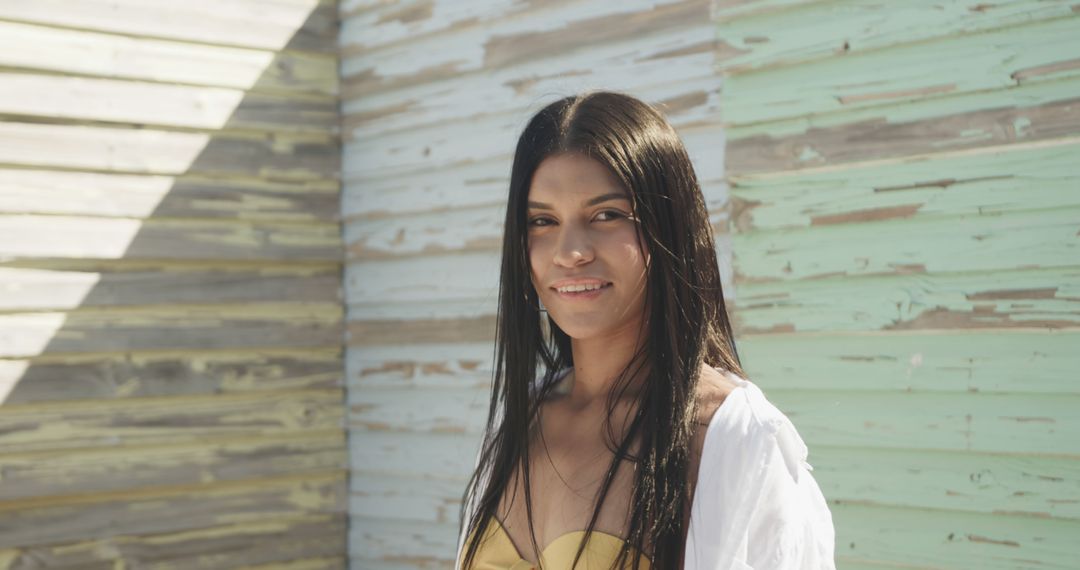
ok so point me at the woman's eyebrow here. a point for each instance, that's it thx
(591, 202)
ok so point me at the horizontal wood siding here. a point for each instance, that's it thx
(171, 321)
(906, 235)
(434, 95)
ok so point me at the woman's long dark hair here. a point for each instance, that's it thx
(687, 323)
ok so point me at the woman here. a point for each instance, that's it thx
(639, 444)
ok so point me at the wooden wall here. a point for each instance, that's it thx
(906, 230)
(170, 273)
(434, 95)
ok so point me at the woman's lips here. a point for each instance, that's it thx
(583, 295)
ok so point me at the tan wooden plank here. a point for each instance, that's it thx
(1010, 178)
(221, 546)
(1030, 361)
(102, 377)
(1012, 241)
(40, 289)
(307, 25)
(148, 151)
(29, 191)
(174, 420)
(174, 327)
(34, 236)
(88, 99)
(999, 59)
(1020, 114)
(57, 473)
(383, 332)
(1022, 298)
(94, 54)
(512, 41)
(849, 27)
(327, 563)
(263, 504)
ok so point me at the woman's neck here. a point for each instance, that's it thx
(598, 362)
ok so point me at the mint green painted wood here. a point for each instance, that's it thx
(1046, 238)
(987, 483)
(1003, 179)
(1025, 297)
(997, 423)
(1032, 361)
(928, 538)
(843, 28)
(992, 60)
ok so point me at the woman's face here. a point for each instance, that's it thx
(582, 234)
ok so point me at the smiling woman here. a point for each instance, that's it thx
(629, 393)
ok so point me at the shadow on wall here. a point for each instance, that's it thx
(170, 307)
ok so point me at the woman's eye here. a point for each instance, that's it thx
(536, 222)
(612, 215)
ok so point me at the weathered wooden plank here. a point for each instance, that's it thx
(56, 473)
(991, 484)
(57, 97)
(930, 538)
(1017, 423)
(992, 180)
(435, 455)
(147, 151)
(326, 563)
(103, 377)
(382, 543)
(469, 277)
(1040, 239)
(1000, 423)
(222, 546)
(401, 153)
(28, 191)
(977, 62)
(42, 289)
(457, 364)
(77, 52)
(1025, 298)
(406, 498)
(34, 236)
(1032, 112)
(377, 332)
(194, 509)
(307, 25)
(602, 27)
(174, 420)
(174, 327)
(988, 361)
(844, 28)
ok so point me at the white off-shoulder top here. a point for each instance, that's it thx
(756, 505)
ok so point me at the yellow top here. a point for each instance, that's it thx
(497, 552)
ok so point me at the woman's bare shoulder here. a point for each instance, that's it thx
(713, 388)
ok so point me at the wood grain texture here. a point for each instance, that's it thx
(215, 459)
(303, 25)
(103, 376)
(88, 99)
(93, 54)
(191, 510)
(283, 541)
(147, 151)
(79, 237)
(172, 327)
(30, 191)
(999, 361)
(168, 421)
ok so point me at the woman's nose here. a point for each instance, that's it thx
(573, 248)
